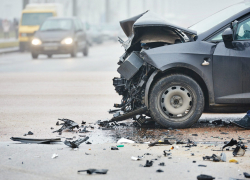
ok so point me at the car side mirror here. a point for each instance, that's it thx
(227, 37)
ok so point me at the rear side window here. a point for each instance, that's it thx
(243, 30)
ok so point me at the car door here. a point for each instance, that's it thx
(230, 75)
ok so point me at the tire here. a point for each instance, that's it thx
(49, 55)
(34, 56)
(183, 98)
(86, 51)
(74, 51)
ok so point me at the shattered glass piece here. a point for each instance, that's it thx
(159, 170)
(231, 143)
(92, 171)
(67, 125)
(75, 144)
(205, 177)
(36, 141)
(149, 163)
(54, 156)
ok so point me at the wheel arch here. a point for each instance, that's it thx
(179, 70)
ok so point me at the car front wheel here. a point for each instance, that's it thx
(176, 101)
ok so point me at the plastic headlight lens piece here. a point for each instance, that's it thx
(36, 42)
(67, 41)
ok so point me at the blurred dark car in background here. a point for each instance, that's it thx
(60, 36)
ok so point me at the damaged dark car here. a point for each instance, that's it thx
(173, 74)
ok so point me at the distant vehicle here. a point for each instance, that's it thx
(32, 17)
(60, 36)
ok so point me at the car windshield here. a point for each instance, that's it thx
(34, 19)
(218, 17)
(56, 24)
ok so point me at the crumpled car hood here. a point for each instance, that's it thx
(149, 27)
(149, 19)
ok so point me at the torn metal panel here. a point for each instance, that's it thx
(67, 125)
(75, 144)
(36, 141)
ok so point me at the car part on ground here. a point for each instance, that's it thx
(36, 141)
(94, 171)
(67, 125)
(205, 177)
(244, 122)
(75, 144)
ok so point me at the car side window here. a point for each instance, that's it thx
(243, 30)
(217, 37)
(80, 25)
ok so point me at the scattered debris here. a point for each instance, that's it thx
(239, 150)
(217, 122)
(84, 130)
(87, 154)
(223, 133)
(223, 157)
(83, 122)
(165, 153)
(164, 141)
(114, 148)
(194, 134)
(92, 171)
(172, 148)
(214, 158)
(233, 160)
(244, 122)
(36, 141)
(194, 161)
(67, 125)
(75, 144)
(30, 133)
(88, 142)
(162, 164)
(57, 123)
(147, 154)
(54, 156)
(247, 175)
(124, 141)
(149, 163)
(202, 165)
(205, 177)
(138, 158)
(231, 143)
(120, 146)
(159, 170)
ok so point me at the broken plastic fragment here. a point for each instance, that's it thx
(30, 133)
(159, 170)
(138, 158)
(162, 164)
(37, 141)
(54, 156)
(223, 157)
(75, 144)
(202, 165)
(205, 177)
(68, 124)
(231, 143)
(148, 163)
(92, 171)
(120, 146)
(246, 175)
(239, 150)
(164, 141)
(214, 158)
(114, 148)
(84, 130)
(124, 141)
(233, 160)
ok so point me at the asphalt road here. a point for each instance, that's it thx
(35, 93)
